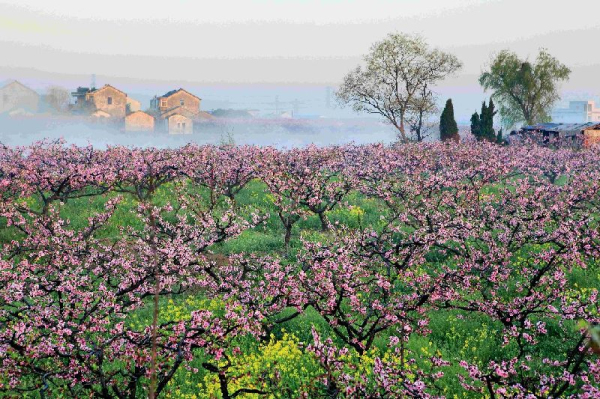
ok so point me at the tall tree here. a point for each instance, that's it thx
(448, 126)
(475, 125)
(487, 121)
(525, 91)
(397, 71)
(482, 125)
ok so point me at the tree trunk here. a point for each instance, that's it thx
(324, 221)
(223, 386)
(153, 356)
(332, 390)
(288, 236)
(402, 129)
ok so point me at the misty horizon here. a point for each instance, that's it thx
(281, 56)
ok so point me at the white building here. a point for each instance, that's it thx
(578, 112)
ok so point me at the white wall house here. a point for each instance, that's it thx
(578, 112)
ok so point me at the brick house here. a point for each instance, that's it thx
(107, 99)
(179, 124)
(176, 98)
(139, 121)
(177, 111)
(16, 96)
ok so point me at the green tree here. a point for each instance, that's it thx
(487, 121)
(448, 126)
(482, 125)
(476, 125)
(525, 91)
(395, 80)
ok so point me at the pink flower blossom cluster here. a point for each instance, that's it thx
(471, 229)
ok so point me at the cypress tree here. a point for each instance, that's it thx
(487, 122)
(483, 134)
(476, 126)
(482, 125)
(448, 126)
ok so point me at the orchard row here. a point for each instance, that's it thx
(505, 236)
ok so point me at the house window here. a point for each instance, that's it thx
(178, 125)
(181, 102)
(183, 126)
(109, 100)
(163, 103)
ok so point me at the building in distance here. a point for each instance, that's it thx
(174, 99)
(16, 97)
(179, 124)
(107, 99)
(139, 121)
(569, 134)
(577, 112)
(177, 111)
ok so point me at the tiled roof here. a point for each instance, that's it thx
(170, 93)
(106, 87)
(19, 84)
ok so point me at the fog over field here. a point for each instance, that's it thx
(24, 131)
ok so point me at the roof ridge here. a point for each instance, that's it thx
(20, 84)
(170, 93)
(107, 86)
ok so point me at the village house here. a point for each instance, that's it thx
(176, 98)
(569, 134)
(177, 111)
(16, 97)
(139, 121)
(179, 124)
(107, 99)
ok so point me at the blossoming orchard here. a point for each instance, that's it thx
(419, 270)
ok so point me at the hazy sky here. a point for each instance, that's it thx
(285, 41)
